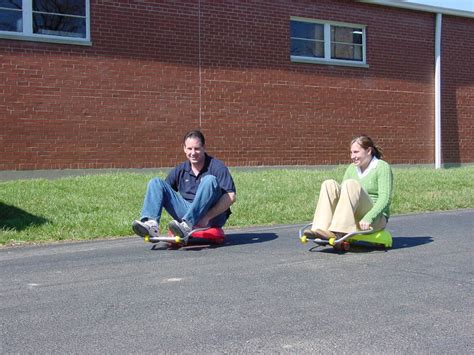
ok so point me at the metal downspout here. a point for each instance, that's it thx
(438, 91)
(200, 64)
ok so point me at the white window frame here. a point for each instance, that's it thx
(28, 35)
(327, 44)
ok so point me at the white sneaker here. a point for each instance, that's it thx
(180, 229)
(150, 228)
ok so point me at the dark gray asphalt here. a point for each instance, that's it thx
(263, 292)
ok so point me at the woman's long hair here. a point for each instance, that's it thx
(366, 142)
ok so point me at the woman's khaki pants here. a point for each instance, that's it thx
(341, 207)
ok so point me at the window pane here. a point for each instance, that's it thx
(301, 47)
(347, 52)
(346, 35)
(11, 21)
(357, 36)
(59, 25)
(307, 30)
(11, 4)
(65, 7)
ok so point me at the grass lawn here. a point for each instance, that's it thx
(98, 206)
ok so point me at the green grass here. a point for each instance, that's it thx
(98, 206)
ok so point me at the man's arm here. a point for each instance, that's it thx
(221, 206)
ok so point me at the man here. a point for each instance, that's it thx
(196, 193)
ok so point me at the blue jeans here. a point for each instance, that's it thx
(160, 194)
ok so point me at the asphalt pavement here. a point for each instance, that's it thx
(261, 292)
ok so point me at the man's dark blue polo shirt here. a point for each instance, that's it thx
(183, 180)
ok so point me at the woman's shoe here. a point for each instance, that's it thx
(308, 233)
(339, 235)
(324, 234)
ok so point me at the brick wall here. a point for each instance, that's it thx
(127, 100)
(457, 90)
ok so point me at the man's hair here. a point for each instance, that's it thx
(197, 135)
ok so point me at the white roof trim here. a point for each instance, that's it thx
(420, 7)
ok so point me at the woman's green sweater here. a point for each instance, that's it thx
(378, 183)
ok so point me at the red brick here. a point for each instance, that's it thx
(127, 100)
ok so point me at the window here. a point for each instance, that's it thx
(64, 21)
(314, 41)
(10, 15)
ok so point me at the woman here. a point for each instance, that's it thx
(363, 199)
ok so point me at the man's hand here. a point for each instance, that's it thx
(221, 206)
(204, 222)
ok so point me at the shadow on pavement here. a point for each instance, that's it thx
(361, 247)
(248, 238)
(410, 242)
(14, 218)
(230, 240)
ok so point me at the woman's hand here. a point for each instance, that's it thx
(364, 225)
